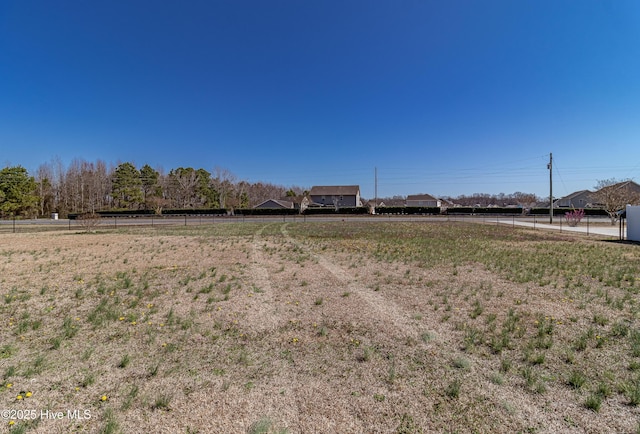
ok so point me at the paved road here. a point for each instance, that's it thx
(610, 231)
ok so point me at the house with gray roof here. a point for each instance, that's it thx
(275, 204)
(425, 200)
(577, 199)
(335, 195)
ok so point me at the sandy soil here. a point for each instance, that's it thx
(264, 330)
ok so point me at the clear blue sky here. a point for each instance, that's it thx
(443, 97)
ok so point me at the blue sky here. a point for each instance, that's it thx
(446, 98)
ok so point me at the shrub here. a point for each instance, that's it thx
(574, 217)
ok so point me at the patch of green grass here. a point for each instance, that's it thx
(453, 389)
(497, 378)
(110, 423)
(161, 402)
(124, 361)
(461, 363)
(6, 351)
(593, 402)
(576, 379)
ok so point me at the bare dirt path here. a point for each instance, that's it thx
(262, 309)
(381, 308)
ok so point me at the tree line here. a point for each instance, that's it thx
(87, 187)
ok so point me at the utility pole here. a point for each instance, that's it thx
(550, 167)
(375, 200)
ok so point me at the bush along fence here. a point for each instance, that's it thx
(574, 217)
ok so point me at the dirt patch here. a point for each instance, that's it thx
(237, 327)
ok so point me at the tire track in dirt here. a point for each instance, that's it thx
(262, 311)
(382, 308)
(265, 318)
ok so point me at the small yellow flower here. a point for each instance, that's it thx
(294, 340)
(77, 388)
(12, 422)
(121, 318)
(9, 385)
(104, 398)
(19, 397)
(133, 323)
(28, 394)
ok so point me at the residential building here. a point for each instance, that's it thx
(335, 195)
(425, 200)
(577, 199)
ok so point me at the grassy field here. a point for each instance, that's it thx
(319, 327)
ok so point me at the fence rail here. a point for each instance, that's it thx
(587, 226)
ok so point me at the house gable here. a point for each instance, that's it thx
(336, 195)
(275, 203)
(422, 200)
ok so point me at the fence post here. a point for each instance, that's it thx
(587, 225)
(14, 224)
(185, 219)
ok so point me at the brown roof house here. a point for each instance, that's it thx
(336, 195)
(422, 200)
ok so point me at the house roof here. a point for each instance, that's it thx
(574, 195)
(420, 197)
(623, 184)
(277, 202)
(334, 190)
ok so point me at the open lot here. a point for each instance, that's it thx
(320, 327)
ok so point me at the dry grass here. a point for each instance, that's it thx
(337, 327)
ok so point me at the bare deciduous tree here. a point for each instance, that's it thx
(613, 196)
(89, 221)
